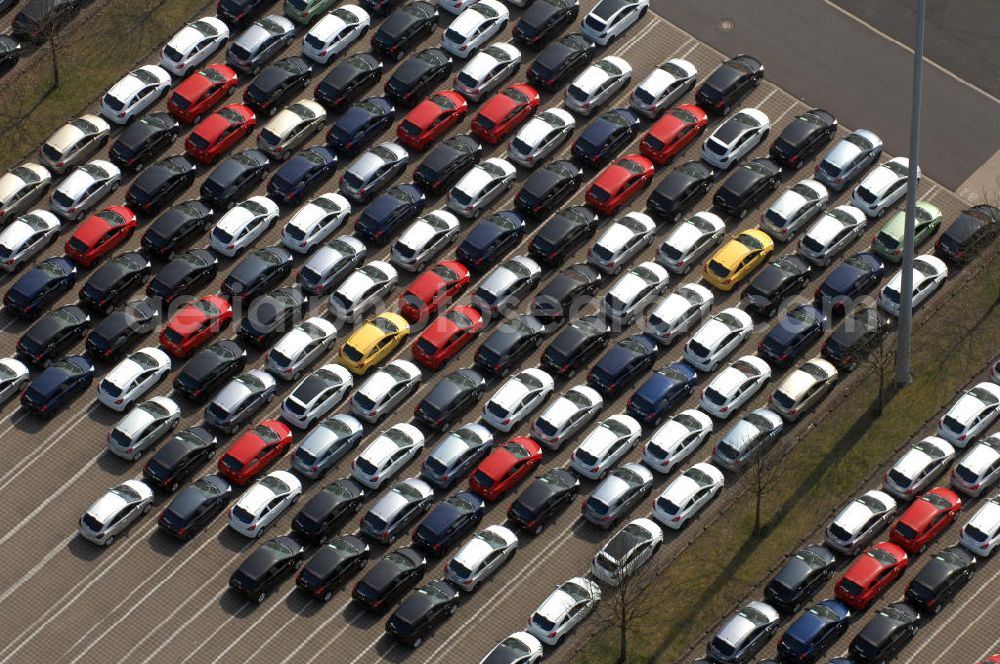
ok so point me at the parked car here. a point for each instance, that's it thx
(116, 510)
(729, 83)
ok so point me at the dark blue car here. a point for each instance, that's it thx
(359, 124)
(809, 636)
(491, 239)
(620, 366)
(390, 210)
(849, 280)
(449, 522)
(667, 387)
(601, 140)
(40, 286)
(58, 385)
(302, 174)
(792, 335)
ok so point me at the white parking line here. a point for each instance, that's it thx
(208, 639)
(318, 630)
(15, 419)
(372, 645)
(958, 637)
(766, 97)
(38, 566)
(989, 651)
(275, 633)
(655, 22)
(689, 50)
(55, 436)
(184, 624)
(250, 628)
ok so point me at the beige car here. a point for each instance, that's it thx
(803, 388)
(290, 128)
(21, 187)
(74, 142)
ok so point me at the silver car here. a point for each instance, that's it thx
(487, 70)
(617, 494)
(142, 427)
(480, 186)
(290, 128)
(259, 43)
(115, 511)
(74, 142)
(300, 347)
(481, 557)
(630, 294)
(387, 387)
(239, 400)
(540, 136)
(597, 84)
(14, 378)
(331, 263)
(848, 159)
(831, 234)
(362, 290)
(744, 634)
(457, 453)
(735, 138)
(372, 170)
(747, 438)
(84, 188)
(25, 237)
(664, 87)
(507, 284)
(621, 242)
(396, 510)
(316, 395)
(566, 416)
(21, 187)
(325, 445)
(860, 521)
(690, 240)
(314, 222)
(796, 207)
(423, 239)
(678, 312)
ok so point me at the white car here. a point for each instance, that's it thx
(193, 44)
(362, 289)
(14, 377)
(507, 284)
(802, 388)
(881, 188)
(969, 416)
(540, 136)
(979, 468)
(995, 372)
(605, 446)
(84, 188)
(115, 511)
(630, 294)
(918, 467)
(929, 272)
(264, 502)
(335, 32)
(487, 69)
(142, 427)
(621, 242)
(385, 389)
(25, 237)
(981, 533)
(664, 86)
(687, 495)
(424, 239)
(480, 186)
(24, 184)
(241, 225)
(735, 137)
(690, 240)
(796, 207)
(734, 386)
(327, 444)
(719, 336)
(517, 398)
(300, 347)
(597, 84)
(134, 93)
(627, 551)
(455, 6)
(518, 648)
(859, 522)
(678, 312)
(316, 395)
(564, 609)
(482, 555)
(610, 18)
(133, 377)
(290, 128)
(331, 263)
(676, 439)
(387, 454)
(566, 416)
(475, 26)
(314, 222)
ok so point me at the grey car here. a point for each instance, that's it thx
(396, 510)
(142, 427)
(456, 455)
(330, 264)
(506, 284)
(747, 438)
(325, 445)
(744, 634)
(617, 494)
(372, 170)
(239, 400)
(848, 159)
(259, 43)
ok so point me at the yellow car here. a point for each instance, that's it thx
(373, 341)
(737, 258)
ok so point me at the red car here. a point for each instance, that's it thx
(254, 451)
(446, 336)
(99, 234)
(198, 94)
(431, 118)
(619, 183)
(504, 467)
(673, 132)
(434, 288)
(870, 574)
(504, 112)
(925, 518)
(194, 324)
(219, 132)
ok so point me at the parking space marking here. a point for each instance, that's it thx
(276, 632)
(340, 632)
(639, 35)
(38, 566)
(689, 50)
(766, 97)
(372, 645)
(177, 631)
(958, 637)
(249, 629)
(991, 650)
(14, 472)
(208, 639)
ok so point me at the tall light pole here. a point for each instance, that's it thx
(906, 288)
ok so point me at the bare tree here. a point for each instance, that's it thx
(51, 37)
(623, 605)
(760, 475)
(880, 354)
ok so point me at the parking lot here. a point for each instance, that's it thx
(148, 598)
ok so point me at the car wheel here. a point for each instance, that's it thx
(146, 508)
(174, 486)
(881, 213)
(270, 398)
(298, 564)
(109, 541)
(937, 608)
(537, 530)
(260, 597)
(642, 12)
(417, 641)
(743, 213)
(197, 119)
(295, 498)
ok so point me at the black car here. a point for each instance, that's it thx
(360, 124)
(143, 139)
(114, 281)
(176, 228)
(509, 343)
(803, 137)
(561, 60)
(299, 177)
(40, 286)
(240, 12)
(405, 27)
(195, 507)
(421, 612)
(973, 230)
(605, 136)
(392, 209)
(380, 7)
(792, 335)
(779, 279)
(730, 82)
(852, 340)
(266, 567)
(885, 634)
(623, 364)
(576, 345)
(547, 188)
(348, 80)
(10, 52)
(38, 17)
(449, 522)
(52, 334)
(343, 556)
(543, 500)
(680, 190)
(491, 239)
(449, 398)
(116, 331)
(184, 453)
(941, 579)
(209, 368)
(277, 84)
(395, 574)
(272, 315)
(232, 180)
(184, 275)
(543, 20)
(749, 184)
(418, 76)
(52, 389)
(257, 272)
(447, 162)
(326, 512)
(565, 294)
(563, 234)
(799, 578)
(159, 184)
